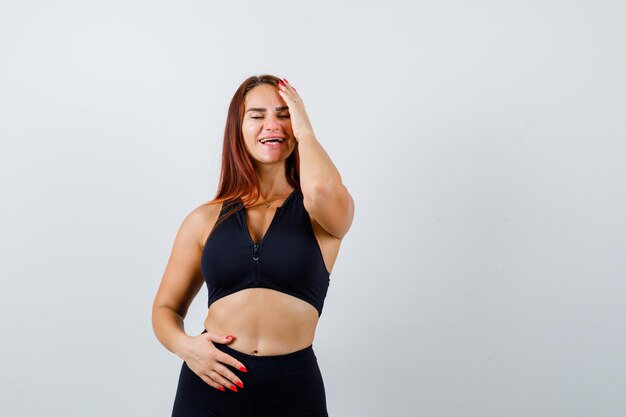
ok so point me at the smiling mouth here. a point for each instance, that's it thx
(272, 140)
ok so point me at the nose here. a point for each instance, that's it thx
(272, 123)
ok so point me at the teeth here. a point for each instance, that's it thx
(265, 140)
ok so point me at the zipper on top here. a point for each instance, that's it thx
(257, 246)
(255, 259)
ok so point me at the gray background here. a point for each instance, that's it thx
(483, 143)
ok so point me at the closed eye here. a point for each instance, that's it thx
(278, 116)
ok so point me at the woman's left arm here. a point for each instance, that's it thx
(325, 197)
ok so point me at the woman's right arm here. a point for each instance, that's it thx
(180, 284)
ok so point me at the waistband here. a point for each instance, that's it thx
(271, 366)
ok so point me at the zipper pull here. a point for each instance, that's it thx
(255, 253)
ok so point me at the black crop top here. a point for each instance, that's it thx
(287, 259)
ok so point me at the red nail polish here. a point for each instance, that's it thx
(232, 387)
(222, 389)
(287, 81)
(243, 368)
(239, 384)
(230, 336)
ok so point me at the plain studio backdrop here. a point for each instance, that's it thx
(483, 143)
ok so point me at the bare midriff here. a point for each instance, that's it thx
(263, 321)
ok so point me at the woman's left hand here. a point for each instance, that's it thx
(300, 123)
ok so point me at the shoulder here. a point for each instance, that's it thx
(331, 207)
(200, 220)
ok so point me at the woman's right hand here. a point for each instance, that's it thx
(209, 363)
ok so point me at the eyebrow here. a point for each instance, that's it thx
(263, 109)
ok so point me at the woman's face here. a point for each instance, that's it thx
(266, 115)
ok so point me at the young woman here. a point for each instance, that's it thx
(265, 246)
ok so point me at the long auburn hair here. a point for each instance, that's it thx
(238, 179)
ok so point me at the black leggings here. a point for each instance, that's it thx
(288, 385)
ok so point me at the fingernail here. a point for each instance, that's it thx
(286, 80)
(229, 337)
(221, 389)
(232, 387)
(281, 83)
(239, 384)
(243, 368)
